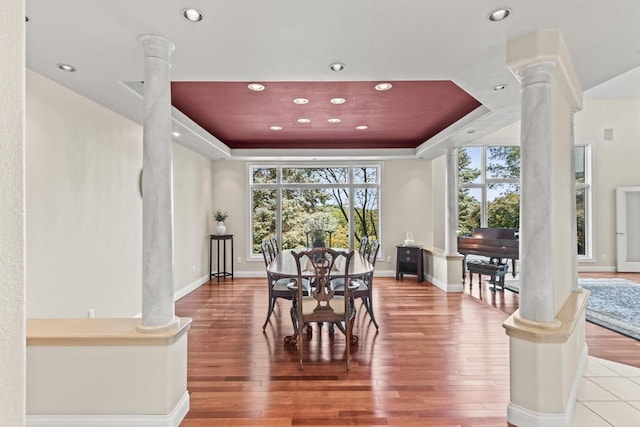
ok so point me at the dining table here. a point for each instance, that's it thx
(284, 265)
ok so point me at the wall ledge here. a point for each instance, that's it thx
(438, 252)
(557, 331)
(99, 332)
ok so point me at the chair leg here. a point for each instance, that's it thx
(272, 303)
(348, 332)
(368, 304)
(300, 343)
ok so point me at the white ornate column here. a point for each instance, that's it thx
(157, 206)
(547, 350)
(536, 279)
(451, 202)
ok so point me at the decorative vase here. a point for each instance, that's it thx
(318, 239)
(221, 228)
(409, 240)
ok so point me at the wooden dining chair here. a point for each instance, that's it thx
(274, 245)
(277, 286)
(364, 290)
(323, 305)
(364, 245)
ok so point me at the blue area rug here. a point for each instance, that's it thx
(614, 304)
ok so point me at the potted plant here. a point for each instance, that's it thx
(317, 227)
(220, 216)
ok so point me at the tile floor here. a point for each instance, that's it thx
(609, 395)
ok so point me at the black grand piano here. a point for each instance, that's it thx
(498, 244)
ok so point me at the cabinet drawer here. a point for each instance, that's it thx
(408, 254)
(408, 258)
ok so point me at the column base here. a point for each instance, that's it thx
(547, 362)
(443, 270)
(161, 328)
(104, 369)
(524, 417)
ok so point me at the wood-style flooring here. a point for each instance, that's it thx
(438, 359)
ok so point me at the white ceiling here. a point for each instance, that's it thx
(624, 86)
(285, 40)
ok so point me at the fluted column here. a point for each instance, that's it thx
(158, 311)
(451, 202)
(536, 238)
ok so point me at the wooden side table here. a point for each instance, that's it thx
(220, 238)
(409, 261)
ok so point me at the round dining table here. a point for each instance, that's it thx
(284, 265)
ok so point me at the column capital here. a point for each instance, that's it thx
(546, 46)
(536, 73)
(156, 46)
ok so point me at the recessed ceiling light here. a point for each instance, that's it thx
(175, 134)
(276, 128)
(383, 86)
(335, 120)
(336, 66)
(66, 67)
(338, 101)
(256, 87)
(301, 101)
(499, 87)
(192, 15)
(304, 120)
(499, 14)
(362, 127)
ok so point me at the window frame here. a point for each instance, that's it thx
(484, 182)
(279, 186)
(587, 186)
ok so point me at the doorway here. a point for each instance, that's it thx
(628, 229)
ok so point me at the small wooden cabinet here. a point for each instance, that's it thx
(409, 261)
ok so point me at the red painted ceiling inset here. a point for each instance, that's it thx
(405, 116)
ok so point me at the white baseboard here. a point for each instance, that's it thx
(523, 417)
(604, 269)
(172, 419)
(261, 274)
(447, 287)
(190, 287)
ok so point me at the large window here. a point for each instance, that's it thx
(583, 200)
(489, 187)
(489, 190)
(294, 203)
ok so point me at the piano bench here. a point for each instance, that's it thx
(496, 271)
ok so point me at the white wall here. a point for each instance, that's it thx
(407, 204)
(12, 217)
(192, 207)
(84, 209)
(615, 165)
(439, 207)
(405, 196)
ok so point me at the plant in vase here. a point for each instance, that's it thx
(317, 228)
(220, 216)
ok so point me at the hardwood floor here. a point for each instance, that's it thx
(438, 359)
